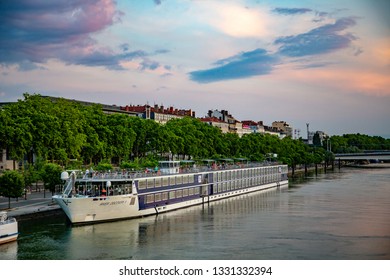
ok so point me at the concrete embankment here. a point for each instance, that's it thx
(30, 214)
(302, 170)
(32, 205)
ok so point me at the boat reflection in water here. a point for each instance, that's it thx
(164, 236)
(9, 251)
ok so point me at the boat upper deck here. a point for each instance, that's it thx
(123, 175)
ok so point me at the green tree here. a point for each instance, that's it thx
(231, 148)
(166, 141)
(104, 165)
(11, 185)
(146, 139)
(97, 134)
(51, 176)
(15, 131)
(30, 174)
(71, 124)
(122, 136)
(188, 129)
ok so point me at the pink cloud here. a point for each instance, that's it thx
(45, 30)
(342, 80)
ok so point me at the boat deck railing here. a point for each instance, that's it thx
(8, 221)
(125, 174)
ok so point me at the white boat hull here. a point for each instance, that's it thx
(8, 231)
(9, 238)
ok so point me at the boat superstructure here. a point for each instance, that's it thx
(95, 196)
(8, 228)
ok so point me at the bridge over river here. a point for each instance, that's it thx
(375, 155)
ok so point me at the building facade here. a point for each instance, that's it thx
(284, 128)
(158, 113)
(255, 127)
(213, 121)
(6, 163)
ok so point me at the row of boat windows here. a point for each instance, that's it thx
(217, 188)
(247, 173)
(220, 176)
(165, 181)
(244, 183)
(163, 196)
(101, 189)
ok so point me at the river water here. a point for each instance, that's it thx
(340, 215)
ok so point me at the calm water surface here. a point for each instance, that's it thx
(339, 215)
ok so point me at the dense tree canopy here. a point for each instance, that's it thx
(351, 143)
(65, 131)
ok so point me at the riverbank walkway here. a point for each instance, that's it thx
(31, 203)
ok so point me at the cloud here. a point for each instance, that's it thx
(234, 20)
(291, 11)
(341, 79)
(314, 65)
(324, 39)
(33, 33)
(321, 40)
(157, 2)
(124, 47)
(242, 65)
(149, 64)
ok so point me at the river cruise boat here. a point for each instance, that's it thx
(92, 197)
(8, 228)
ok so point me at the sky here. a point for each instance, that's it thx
(323, 62)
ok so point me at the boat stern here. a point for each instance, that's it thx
(8, 230)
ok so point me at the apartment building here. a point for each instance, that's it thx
(283, 127)
(158, 113)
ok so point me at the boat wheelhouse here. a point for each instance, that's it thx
(169, 167)
(95, 197)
